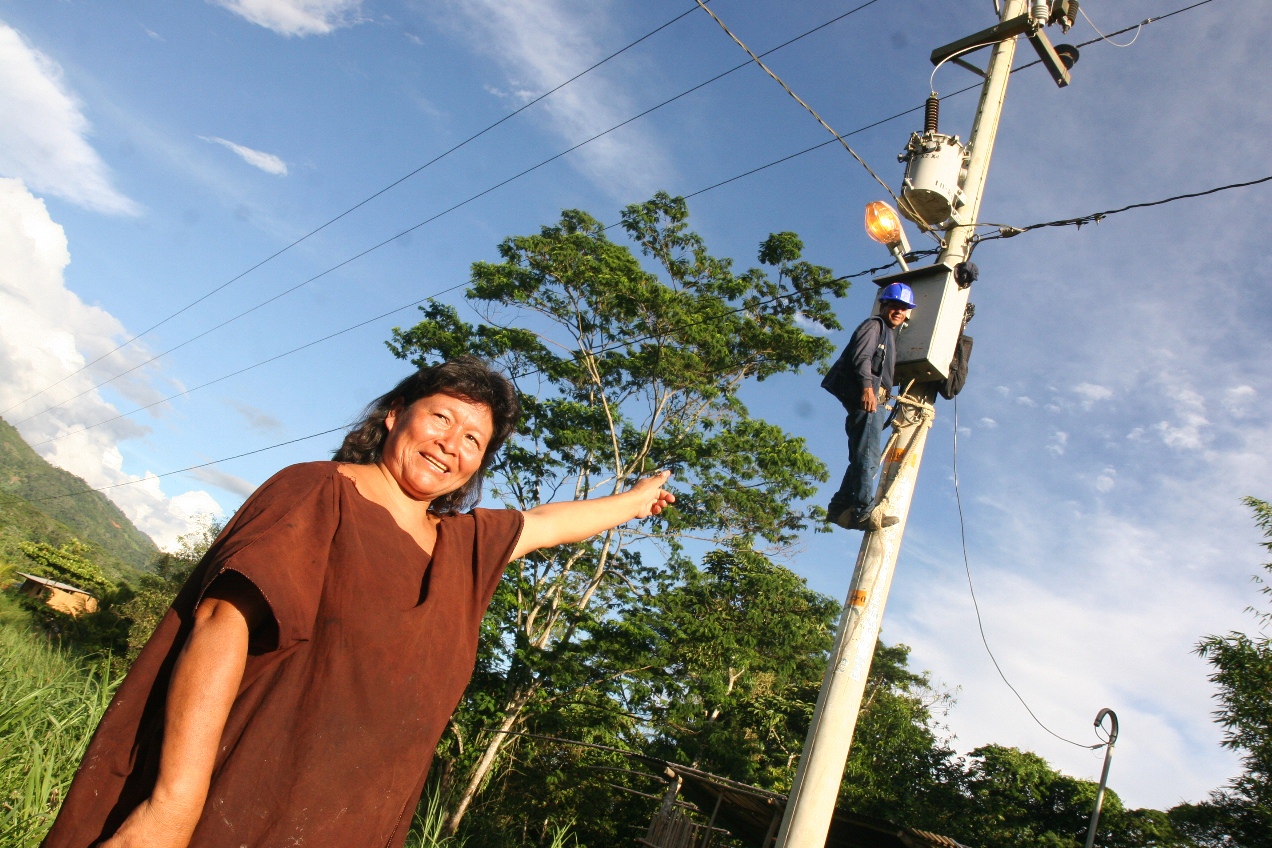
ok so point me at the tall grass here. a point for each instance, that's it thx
(50, 703)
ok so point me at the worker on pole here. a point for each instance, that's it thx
(862, 381)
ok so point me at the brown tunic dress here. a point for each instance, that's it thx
(331, 735)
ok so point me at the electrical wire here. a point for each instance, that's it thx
(356, 206)
(1138, 30)
(605, 349)
(179, 470)
(449, 210)
(252, 367)
(769, 165)
(799, 99)
(1006, 231)
(980, 624)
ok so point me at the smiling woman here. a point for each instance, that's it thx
(298, 686)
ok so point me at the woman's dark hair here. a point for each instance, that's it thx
(465, 377)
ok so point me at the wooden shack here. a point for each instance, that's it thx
(62, 597)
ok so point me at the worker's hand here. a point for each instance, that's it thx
(653, 497)
(156, 825)
(869, 400)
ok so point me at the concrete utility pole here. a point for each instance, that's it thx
(807, 818)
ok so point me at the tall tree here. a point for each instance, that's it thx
(623, 370)
(1240, 814)
(739, 651)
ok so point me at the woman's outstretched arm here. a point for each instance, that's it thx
(573, 521)
(204, 684)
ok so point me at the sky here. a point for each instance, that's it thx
(1119, 406)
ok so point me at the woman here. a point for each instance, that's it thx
(295, 692)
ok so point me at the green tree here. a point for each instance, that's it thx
(151, 599)
(1240, 814)
(901, 767)
(67, 564)
(623, 370)
(739, 652)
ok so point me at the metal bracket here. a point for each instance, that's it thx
(1050, 59)
(1019, 25)
(969, 66)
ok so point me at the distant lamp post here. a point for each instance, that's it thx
(1104, 778)
(883, 224)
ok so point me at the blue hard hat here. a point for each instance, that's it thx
(899, 292)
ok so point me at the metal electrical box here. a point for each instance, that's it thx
(925, 345)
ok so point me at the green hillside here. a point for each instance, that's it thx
(92, 518)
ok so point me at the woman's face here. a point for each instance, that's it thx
(436, 444)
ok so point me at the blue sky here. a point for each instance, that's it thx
(1118, 407)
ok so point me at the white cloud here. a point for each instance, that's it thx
(1106, 481)
(43, 137)
(297, 17)
(214, 476)
(1188, 431)
(267, 162)
(1238, 399)
(1025, 400)
(1092, 393)
(48, 332)
(988, 423)
(541, 43)
(1059, 440)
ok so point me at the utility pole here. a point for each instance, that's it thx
(807, 818)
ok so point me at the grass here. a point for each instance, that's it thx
(50, 703)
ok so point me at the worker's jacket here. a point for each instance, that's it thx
(868, 361)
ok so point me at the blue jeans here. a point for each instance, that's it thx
(856, 492)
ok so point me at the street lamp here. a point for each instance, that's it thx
(883, 224)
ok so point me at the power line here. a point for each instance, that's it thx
(451, 209)
(962, 532)
(619, 343)
(799, 99)
(180, 470)
(1007, 231)
(710, 188)
(360, 204)
(223, 377)
(919, 108)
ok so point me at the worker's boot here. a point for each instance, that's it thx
(877, 519)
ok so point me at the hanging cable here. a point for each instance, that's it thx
(800, 100)
(453, 208)
(1138, 30)
(787, 158)
(980, 625)
(252, 367)
(1008, 231)
(356, 206)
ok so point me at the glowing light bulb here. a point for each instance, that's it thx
(882, 223)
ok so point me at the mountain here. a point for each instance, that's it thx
(92, 518)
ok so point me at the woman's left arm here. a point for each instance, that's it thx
(573, 521)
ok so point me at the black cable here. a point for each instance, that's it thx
(178, 471)
(1006, 231)
(357, 206)
(274, 358)
(635, 340)
(453, 208)
(748, 173)
(980, 625)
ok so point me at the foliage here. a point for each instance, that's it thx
(1241, 813)
(50, 703)
(621, 371)
(738, 652)
(67, 564)
(26, 478)
(156, 591)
